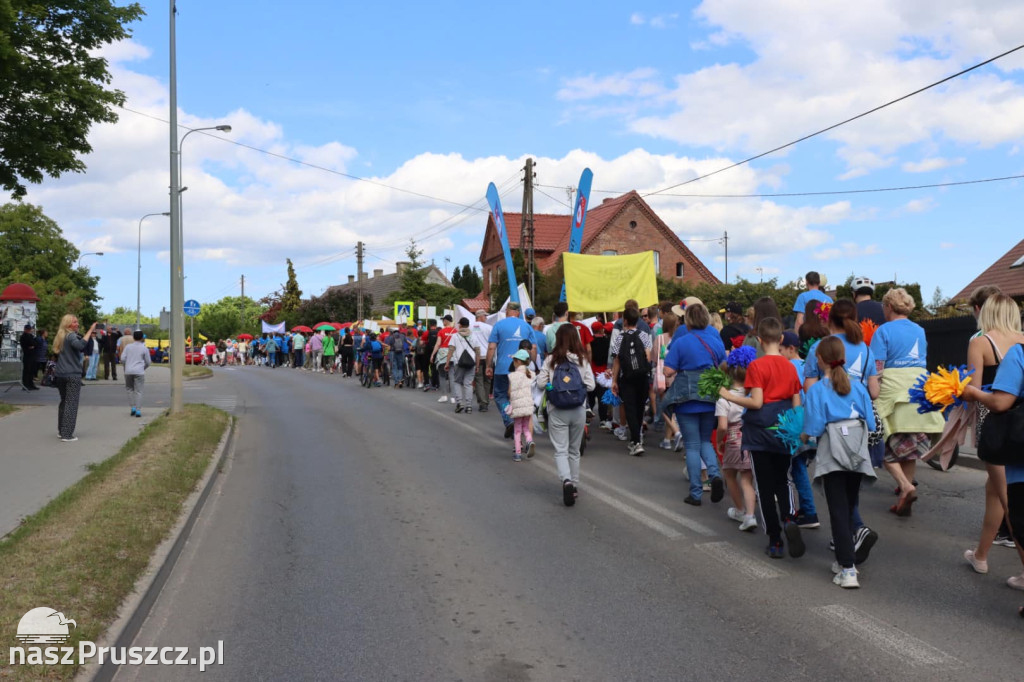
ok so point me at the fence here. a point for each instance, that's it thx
(947, 339)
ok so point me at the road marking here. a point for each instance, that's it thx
(888, 638)
(224, 402)
(731, 556)
(689, 524)
(618, 505)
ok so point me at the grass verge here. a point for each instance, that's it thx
(83, 552)
(6, 409)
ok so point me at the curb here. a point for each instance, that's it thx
(134, 611)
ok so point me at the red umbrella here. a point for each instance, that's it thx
(245, 337)
(302, 328)
(336, 325)
(345, 325)
(320, 324)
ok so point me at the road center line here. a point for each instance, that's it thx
(729, 555)
(618, 505)
(888, 638)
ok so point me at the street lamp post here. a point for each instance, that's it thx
(760, 271)
(138, 275)
(177, 252)
(91, 253)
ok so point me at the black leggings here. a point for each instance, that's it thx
(842, 491)
(771, 474)
(633, 392)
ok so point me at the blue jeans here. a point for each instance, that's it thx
(697, 430)
(94, 365)
(501, 396)
(397, 368)
(271, 358)
(798, 473)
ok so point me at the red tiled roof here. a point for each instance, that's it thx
(548, 230)
(478, 303)
(1009, 279)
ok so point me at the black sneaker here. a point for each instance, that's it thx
(794, 540)
(568, 493)
(483, 408)
(508, 431)
(863, 540)
(458, 408)
(717, 489)
(690, 499)
(807, 521)
(469, 410)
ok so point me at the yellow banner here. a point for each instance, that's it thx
(604, 283)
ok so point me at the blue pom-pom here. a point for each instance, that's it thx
(789, 427)
(742, 356)
(610, 398)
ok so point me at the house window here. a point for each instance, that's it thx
(609, 252)
(679, 269)
(632, 224)
(657, 262)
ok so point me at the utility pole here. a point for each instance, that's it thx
(526, 237)
(242, 311)
(725, 240)
(177, 255)
(359, 280)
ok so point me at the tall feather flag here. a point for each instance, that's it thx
(579, 216)
(499, 223)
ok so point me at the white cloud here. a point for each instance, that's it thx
(919, 205)
(883, 51)
(932, 164)
(656, 21)
(637, 19)
(848, 250)
(636, 83)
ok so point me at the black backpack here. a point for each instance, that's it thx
(633, 360)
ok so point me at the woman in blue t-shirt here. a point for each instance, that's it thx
(687, 357)
(1007, 389)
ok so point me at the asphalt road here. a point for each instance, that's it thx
(375, 535)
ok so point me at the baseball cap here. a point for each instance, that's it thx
(522, 355)
(790, 339)
(609, 326)
(529, 312)
(597, 324)
(29, 326)
(732, 307)
(448, 318)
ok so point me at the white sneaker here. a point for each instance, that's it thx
(749, 523)
(443, 399)
(606, 425)
(1016, 581)
(69, 440)
(622, 433)
(665, 444)
(734, 513)
(452, 400)
(419, 386)
(847, 578)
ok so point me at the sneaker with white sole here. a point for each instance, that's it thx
(665, 444)
(847, 579)
(606, 425)
(977, 564)
(749, 523)
(443, 399)
(1014, 581)
(1004, 541)
(69, 440)
(636, 449)
(452, 399)
(863, 540)
(734, 513)
(677, 444)
(530, 450)
(622, 433)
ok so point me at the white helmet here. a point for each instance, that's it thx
(862, 283)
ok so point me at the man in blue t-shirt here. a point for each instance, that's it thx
(813, 293)
(503, 343)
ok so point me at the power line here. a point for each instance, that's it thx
(536, 187)
(841, 123)
(313, 165)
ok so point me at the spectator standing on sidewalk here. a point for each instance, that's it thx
(69, 348)
(28, 358)
(92, 354)
(136, 360)
(42, 352)
(108, 353)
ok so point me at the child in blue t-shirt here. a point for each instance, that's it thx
(838, 412)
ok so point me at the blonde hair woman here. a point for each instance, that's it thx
(68, 347)
(999, 329)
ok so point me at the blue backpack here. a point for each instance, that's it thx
(567, 389)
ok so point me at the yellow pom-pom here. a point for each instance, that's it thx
(945, 386)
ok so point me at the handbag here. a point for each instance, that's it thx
(1002, 437)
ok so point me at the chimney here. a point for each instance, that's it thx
(362, 276)
(401, 266)
(378, 273)
(351, 278)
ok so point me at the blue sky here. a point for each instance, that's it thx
(443, 98)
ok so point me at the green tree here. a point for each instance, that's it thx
(291, 298)
(229, 317)
(53, 83)
(456, 280)
(33, 251)
(332, 306)
(468, 280)
(415, 286)
(123, 316)
(499, 292)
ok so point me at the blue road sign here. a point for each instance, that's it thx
(191, 308)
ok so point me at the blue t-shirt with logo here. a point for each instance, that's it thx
(810, 295)
(540, 339)
(1010, 379)
(507, 334)
(900, 343)
(860, 361)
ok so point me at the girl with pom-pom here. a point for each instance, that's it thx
(838, 413)
(739, 477)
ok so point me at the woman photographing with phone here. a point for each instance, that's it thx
(68, 347)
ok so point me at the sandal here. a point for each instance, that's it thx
(904, 506)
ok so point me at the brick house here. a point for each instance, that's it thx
(1007, 273)
(380, 286)
(617, 226)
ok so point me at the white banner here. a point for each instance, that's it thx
(273, 328)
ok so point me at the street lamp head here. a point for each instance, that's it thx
(99, 253)
(224, 128)
(165, 213)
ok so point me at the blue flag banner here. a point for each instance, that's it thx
(499, 223)
(579, 216)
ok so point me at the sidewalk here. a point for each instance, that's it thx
(35, 466)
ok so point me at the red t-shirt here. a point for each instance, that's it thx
(775, 376)
(444, 336)
(586, 336)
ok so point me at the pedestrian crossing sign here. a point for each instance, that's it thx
(403, 311)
